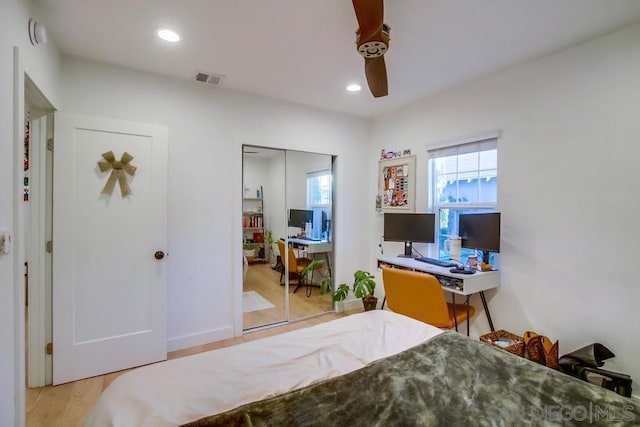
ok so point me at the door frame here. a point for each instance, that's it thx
(18, 279)
(39, 320)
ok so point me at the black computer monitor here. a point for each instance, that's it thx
(299, 217)
(480, 231)
(325, 222)
(409, 228)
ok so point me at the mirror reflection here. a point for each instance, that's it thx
(287, 234)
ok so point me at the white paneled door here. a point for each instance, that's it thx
(109, 261)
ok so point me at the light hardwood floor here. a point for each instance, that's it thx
(266, 281)
(68, 405)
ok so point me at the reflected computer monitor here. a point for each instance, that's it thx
(299, 217)
(409, 228)
(480, 231)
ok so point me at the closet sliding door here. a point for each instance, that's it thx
(264, 297)
(286, 220)
(309, 202)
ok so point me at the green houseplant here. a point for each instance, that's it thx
(362, 287)
(268, 244)
(249, 249)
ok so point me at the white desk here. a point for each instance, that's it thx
(460, 284)
(313, 246)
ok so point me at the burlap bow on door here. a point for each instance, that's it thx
(118, 169)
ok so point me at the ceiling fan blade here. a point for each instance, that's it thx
(370, 14)
(376, 72)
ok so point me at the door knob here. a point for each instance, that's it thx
(158, 255)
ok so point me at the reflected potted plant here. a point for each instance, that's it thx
(268, 244)
(362, 287)
(249, 249)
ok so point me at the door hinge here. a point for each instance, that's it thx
(49, 246)
(49, 348)
(50, 144)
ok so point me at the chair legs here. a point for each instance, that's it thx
(302, 281)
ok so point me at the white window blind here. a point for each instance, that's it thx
(469, 147)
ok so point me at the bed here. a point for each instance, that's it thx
(372, 368)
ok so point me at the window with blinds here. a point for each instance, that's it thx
(463, 179)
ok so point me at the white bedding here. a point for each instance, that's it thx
(186, 389)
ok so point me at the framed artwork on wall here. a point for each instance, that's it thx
(397, 184)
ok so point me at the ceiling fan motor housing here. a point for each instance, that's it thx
(374, 48)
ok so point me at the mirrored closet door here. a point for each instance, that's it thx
(286, 224)
(309, 204)
(264, 299)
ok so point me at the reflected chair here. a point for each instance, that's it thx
(420, 296)
(296, 266)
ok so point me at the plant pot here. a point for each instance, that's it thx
(370, 302)
(249, 253)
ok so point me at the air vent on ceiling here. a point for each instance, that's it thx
(210, 78)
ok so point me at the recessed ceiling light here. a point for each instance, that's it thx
(354, 87)
(168, 35)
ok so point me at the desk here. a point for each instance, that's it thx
(455, 284)
(312, 247)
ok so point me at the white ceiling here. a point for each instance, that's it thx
(303, 51)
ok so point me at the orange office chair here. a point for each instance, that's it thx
(295, 266)
(419, 296)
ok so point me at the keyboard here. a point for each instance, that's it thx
(436, 262)
(309, 239)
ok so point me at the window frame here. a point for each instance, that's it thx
(455, 148)
(318, 174)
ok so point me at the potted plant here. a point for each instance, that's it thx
(268, 244)
(249, 249)
(362, 287)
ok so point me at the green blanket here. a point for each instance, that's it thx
(450, 380)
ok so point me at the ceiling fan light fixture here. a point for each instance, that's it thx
(372, 49)
(168, 35)
(376, 47)
(354, 87)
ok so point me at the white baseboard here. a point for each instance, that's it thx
(352, 304)
(199, 338)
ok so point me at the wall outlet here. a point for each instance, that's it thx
(5, 241)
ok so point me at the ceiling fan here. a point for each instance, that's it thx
(372, 40)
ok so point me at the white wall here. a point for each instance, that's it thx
(298, 166)
(41, 63)
(276, 215)
(207, 126)
(567, 189)
(254, 172)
